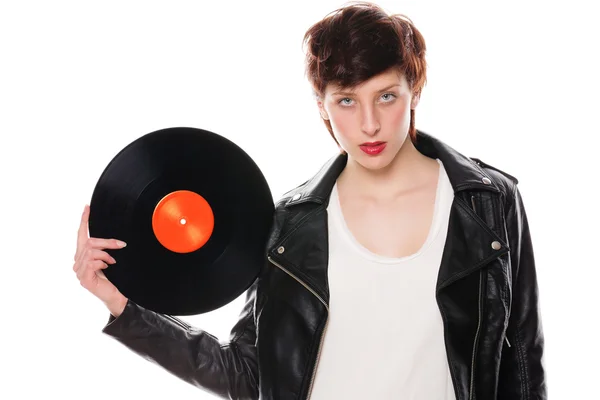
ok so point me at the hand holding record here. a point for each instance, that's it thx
(90, 260)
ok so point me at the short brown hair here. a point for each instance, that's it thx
(358, 41)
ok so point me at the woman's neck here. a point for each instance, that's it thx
(408, 171)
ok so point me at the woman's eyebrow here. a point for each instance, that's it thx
(380, 90)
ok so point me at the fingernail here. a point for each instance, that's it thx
(121, 243)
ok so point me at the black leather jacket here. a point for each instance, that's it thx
(486, 291)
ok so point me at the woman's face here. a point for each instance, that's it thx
(370, 122)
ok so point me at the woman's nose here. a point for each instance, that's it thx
(370, 122)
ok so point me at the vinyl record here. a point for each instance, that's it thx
(195, 211)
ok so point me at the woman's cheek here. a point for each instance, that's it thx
(341, 125)
(401, 117)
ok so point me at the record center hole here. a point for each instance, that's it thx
(182, 221)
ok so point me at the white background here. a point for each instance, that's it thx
(514, 84)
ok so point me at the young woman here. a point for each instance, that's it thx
(401, 270)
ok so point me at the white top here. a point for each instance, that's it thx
(384, 336)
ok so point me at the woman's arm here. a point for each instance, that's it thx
(228, 370)
(522, 371)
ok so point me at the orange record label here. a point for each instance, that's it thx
(183, 221)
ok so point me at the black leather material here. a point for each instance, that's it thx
(486, 291)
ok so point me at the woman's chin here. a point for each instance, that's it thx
(372, 163)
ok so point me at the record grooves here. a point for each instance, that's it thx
(195, 211)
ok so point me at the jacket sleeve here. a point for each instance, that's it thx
(228, 370)
(522, 367)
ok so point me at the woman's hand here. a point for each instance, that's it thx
(90, 260)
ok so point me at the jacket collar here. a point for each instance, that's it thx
(468, 244)
(463, 172)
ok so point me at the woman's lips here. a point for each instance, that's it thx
(373, 148)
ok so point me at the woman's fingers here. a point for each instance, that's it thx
(84, 242)
(94, 254)
(105, 243)
(82, 233)
(91, 260)
(86, 273)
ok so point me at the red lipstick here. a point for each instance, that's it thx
(373, 148)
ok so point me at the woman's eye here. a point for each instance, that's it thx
(390, 97)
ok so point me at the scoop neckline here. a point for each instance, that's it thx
(368, 254)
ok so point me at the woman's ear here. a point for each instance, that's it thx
(415, 101)
(322, 110)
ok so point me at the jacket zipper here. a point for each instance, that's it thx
(299, 281)
(478, 322)
(312, 379)
(476, 339)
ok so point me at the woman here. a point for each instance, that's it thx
(402, 269)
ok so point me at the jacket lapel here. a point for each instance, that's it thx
(469, 241)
